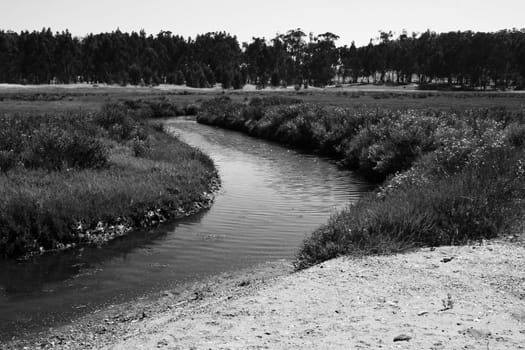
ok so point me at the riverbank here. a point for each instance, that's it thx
(445, 298)
(78, 178)
(427, 162)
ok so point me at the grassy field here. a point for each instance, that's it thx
(55, 98)
(448, 175)
(73, 176)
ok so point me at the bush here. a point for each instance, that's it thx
(375, 142)
(392, 144)
(140, 148)
(52, 143)
(273, 101)
(52, 192)
(469, 188)
(54, 148)
(516, 134)
(8, 160)
(119, 121)
(449, 177)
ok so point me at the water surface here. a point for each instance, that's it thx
(271, 198)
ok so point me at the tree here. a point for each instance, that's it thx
(321, 59)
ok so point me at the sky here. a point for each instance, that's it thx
(352, 20)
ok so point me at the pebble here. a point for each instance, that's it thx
(402, 337)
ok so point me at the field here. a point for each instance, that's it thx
(52, 98)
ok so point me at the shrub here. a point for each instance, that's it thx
(392, 144)
(163, 109)
(515, 134)
(191, 109)
(450, 177)
(118, 121)
(469, 188)
(54, 148)
(140, 148)
(222, 110)
(8, 160)
(450, 210)
(51, 142)
(273, 101)
(44, 205)
(375, 142)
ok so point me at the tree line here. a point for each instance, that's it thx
(461, 59)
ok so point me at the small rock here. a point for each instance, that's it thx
(244, 283)
(476, 333)
(446, 260)
(162, 343)
(519, 315)
(402, 337)
(422, 313)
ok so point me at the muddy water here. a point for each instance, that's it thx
(271, 198)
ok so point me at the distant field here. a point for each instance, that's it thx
(53, 98)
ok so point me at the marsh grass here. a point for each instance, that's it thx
(160, 108)
(457, 193)
(447, 177)
(375, 142)
(42, 207)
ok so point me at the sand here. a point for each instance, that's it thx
(468, 297)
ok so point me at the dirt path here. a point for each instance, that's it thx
(470, 297)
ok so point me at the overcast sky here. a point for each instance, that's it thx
(351, 20)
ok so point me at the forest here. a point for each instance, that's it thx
(454, 60)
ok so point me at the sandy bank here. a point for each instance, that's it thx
(470, 297)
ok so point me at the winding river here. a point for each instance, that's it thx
(271, 198)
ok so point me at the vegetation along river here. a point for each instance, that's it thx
(271, 198)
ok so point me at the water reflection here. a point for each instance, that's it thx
(32, 276)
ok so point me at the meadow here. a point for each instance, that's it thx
(445, 175)
(73, 176)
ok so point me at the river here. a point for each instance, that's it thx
(271, 198)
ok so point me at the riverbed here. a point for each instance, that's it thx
(271, 198)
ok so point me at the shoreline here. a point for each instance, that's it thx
(113, 322)
(105, 233)
(449, 297)
(122, 167)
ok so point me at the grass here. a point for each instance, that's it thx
(421, 146)
(59, 99)
(447, 177)
(56, 194)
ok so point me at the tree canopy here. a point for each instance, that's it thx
(463, 59)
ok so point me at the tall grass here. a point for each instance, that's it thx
(160, 108)
(46, 205)
(447, 177)
(64, 141)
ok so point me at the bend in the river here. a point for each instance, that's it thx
(271, 198)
